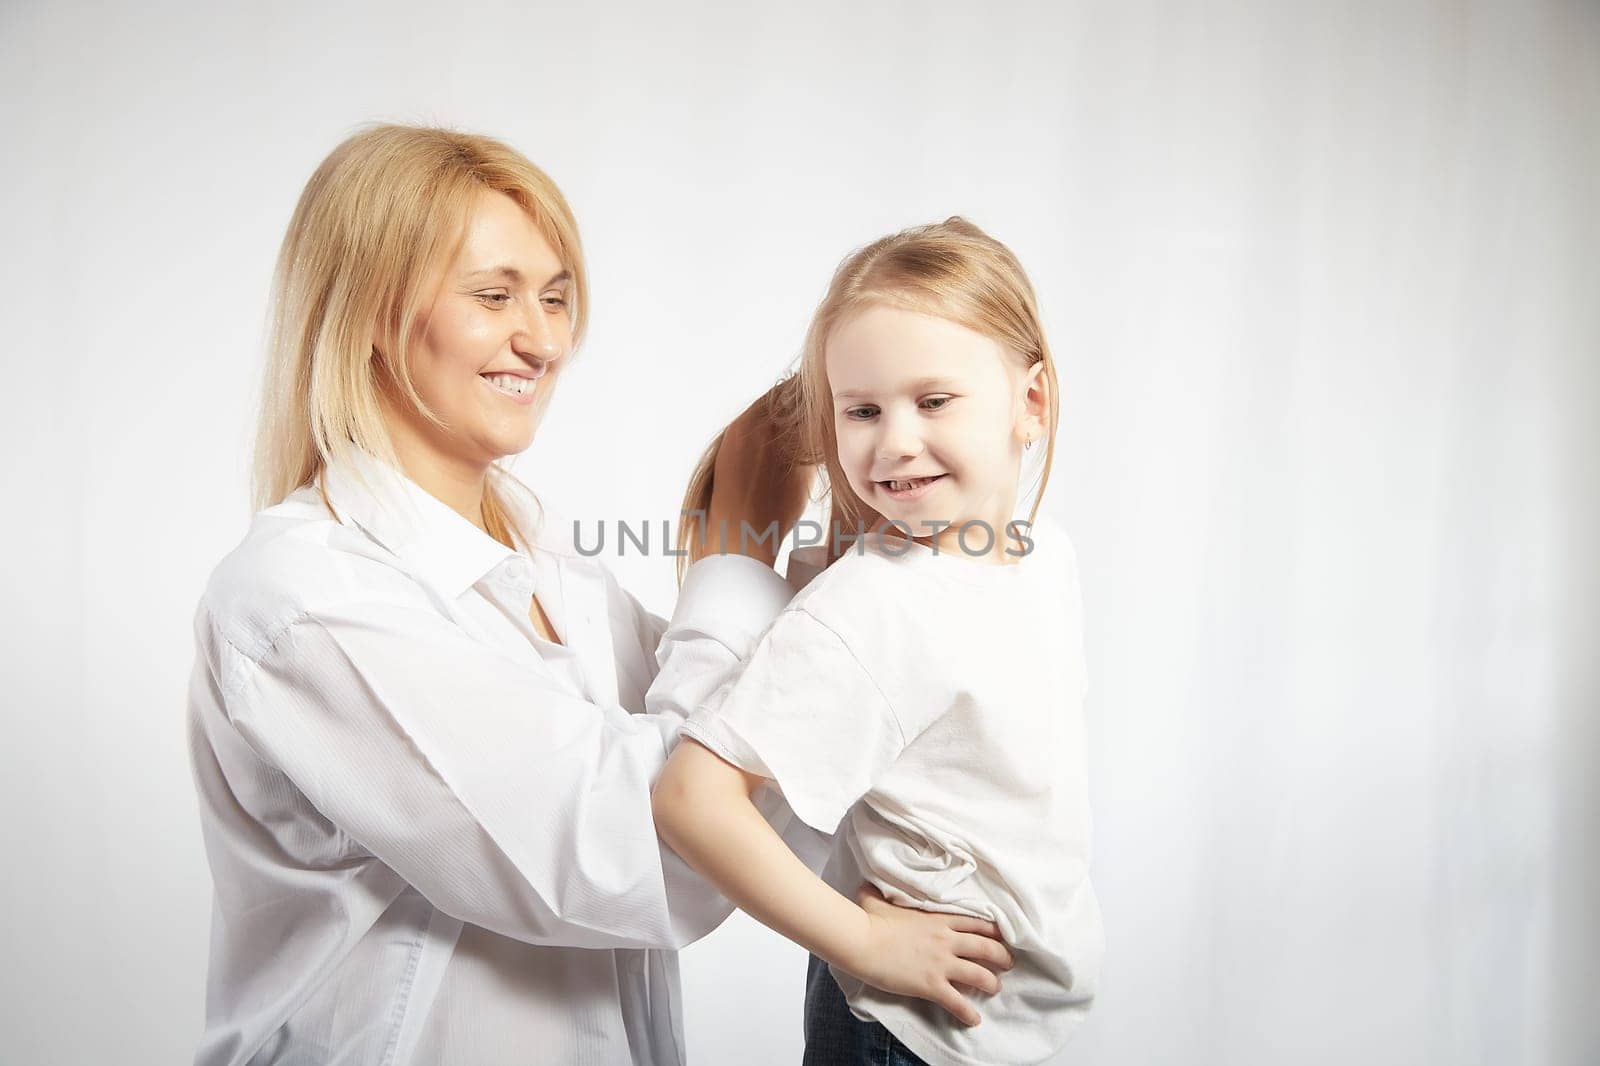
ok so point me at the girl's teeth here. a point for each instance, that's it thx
(510, 383)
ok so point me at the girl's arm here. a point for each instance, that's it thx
(704, 813)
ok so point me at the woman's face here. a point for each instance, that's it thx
(494, 341)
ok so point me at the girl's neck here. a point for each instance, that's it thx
(985, 537)
(1003, 548)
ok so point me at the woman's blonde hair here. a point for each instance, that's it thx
(951, 270)
(377, 219)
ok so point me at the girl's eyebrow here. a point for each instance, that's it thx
(516, 277)
(919, 385)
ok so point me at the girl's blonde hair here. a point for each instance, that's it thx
(374, 224)
(952, 270)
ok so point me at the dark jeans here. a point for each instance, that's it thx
(835, 1037)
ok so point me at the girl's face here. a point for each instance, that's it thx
(493, 342)
(930, 420)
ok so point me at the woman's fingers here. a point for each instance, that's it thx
(982, 949)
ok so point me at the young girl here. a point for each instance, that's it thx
(921, 697)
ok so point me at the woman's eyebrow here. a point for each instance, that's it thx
(516, 277)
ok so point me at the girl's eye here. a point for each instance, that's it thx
(495, 299)
(862, 413)
(934, 403)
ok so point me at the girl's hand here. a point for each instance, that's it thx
(927, 954)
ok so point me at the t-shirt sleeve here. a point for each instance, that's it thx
(807, 715)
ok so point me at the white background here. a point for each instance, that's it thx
(1322, 282)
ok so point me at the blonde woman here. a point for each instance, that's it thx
(423, 728)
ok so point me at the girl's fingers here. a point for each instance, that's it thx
(971, 975)
(982, 949)
(950, 998)
(962, 923)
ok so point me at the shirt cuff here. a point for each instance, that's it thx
(730, 598)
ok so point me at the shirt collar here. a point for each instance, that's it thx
(439, 545)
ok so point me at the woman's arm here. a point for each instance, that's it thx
(703, 811)
(505, 800)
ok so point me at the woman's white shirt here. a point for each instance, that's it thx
(934, 704)
(429, 830)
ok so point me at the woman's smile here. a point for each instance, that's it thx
(514, 387)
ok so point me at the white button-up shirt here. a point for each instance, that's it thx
(429, 829)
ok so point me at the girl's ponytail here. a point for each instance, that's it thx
(783, 413)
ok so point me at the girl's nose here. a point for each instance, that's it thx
(898, 441)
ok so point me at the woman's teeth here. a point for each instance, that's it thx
(511, 383)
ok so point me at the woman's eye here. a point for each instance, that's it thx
(495, 299)
(934, 403)
(555, 301)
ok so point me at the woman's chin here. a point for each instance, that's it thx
(510, 439)
(511, 448)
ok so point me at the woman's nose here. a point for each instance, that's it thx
(543, 336)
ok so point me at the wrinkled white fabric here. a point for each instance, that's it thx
(430, 830)
(934, 703)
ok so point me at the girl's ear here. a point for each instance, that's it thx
(1035, 404)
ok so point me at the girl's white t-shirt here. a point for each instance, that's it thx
(927, 707)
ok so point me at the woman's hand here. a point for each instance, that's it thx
(926, 954)
(760, 480)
